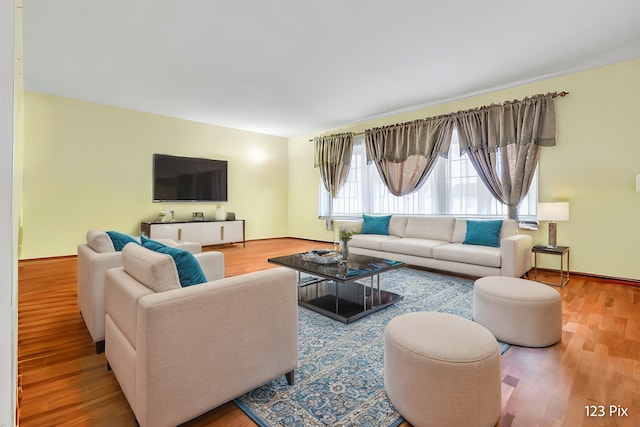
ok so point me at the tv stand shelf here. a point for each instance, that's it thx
(205, 232)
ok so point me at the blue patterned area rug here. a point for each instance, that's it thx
(339, 380)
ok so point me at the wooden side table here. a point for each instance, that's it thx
(553, 250)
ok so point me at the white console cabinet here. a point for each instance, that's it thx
(205, 232)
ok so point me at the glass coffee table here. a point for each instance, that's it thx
(345, 291)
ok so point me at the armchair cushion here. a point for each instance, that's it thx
(189, 270)
(155, 270)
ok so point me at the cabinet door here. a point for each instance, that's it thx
(233, 231)
(164, 231)
(212, 233)
(188, 232)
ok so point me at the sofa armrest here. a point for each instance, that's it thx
(201, 346)
(212, 264)
(515, 254)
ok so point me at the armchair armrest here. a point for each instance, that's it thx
(92, 267)
(212, 264)
(515, 254)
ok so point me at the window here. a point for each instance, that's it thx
(453, 188)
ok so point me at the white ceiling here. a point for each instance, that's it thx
(293, 67)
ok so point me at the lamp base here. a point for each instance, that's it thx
(552, 234)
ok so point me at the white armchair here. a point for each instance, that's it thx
(180, 352)
(98, 255)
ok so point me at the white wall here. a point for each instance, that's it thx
(8, 222)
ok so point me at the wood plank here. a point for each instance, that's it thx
(596, 363)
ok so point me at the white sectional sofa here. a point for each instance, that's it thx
(438, 243)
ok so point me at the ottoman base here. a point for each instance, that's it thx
(517, 311)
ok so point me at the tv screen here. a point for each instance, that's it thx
(189, 179)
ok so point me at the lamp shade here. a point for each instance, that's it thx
(553, 211)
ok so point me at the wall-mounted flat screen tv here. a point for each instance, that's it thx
(189, 179)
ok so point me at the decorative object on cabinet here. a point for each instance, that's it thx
(220, 213)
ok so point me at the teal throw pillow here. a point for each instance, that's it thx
(378, 224)
(483, 232)
(120, 239)
(189, 270)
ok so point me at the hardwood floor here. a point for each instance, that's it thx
(597, 363)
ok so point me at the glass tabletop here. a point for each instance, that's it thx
(356, 266)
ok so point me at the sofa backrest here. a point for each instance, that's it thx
(157, 271)
(398, 225)
(509, 228)
(432, 228)
(448, 229)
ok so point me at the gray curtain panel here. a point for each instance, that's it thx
(333, 157)
(502, 141)
(404, 154)
(514, 132)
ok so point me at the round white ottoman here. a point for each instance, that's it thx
(442, 370)
(518, 311)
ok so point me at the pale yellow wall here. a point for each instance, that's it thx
(593, 166)
(91, 165)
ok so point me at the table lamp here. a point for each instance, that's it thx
(552, 212)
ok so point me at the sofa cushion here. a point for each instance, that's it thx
(157, 271)
(412, 246)
(189, 270)
(430, 228)
(119, 240)
(483, 232)
(370, 241)
(469, 254)
(99, 241)
(378, 224)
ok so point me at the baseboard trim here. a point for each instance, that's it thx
(608, 279)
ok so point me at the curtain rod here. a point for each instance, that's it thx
(553, 95)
